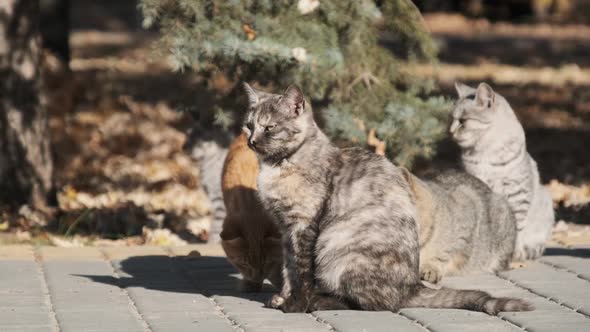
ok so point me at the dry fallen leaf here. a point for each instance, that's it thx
(250, 33)
(373, 141)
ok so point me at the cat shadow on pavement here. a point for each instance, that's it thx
(574, 252)
(204, 275)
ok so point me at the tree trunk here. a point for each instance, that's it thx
(25, 160)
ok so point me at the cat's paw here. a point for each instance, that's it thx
(525, 253)
(287, 304)
(430, 273)
(276, 302)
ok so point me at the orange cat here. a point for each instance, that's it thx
(249, 237)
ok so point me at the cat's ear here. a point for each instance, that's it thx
(463, 90)
(294, 100)
(485, 96)
(253, 95)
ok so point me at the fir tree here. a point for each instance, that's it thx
(333, 49)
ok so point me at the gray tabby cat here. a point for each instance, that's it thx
(463, 226)
(347, 219)
(494, 150)
(208, 147)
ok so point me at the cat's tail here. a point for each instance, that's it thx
(466, 299)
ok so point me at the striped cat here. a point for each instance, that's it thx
(347, 217)
(208, 147)
(463, 226)
(493, 148)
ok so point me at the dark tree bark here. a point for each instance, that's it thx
(25, 160)
(55, 27)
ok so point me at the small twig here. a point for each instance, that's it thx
(77, 221)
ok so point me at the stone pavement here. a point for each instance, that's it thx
(163, 289)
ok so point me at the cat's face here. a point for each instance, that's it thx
(276, 125)
(473, 114)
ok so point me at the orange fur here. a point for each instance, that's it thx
(250, 238)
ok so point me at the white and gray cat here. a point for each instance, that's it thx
(346, 216)
(493, 148)
(463, 226)
(208, 147)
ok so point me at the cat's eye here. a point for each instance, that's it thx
(462, 121)
(269, 128)
(249, 125)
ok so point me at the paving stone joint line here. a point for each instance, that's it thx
(562, 268)
(415, 321)
(234, 324)
(216, 305)
(134, 310)
(323, 322)
(505, 320)
(541, 295)
(45, 288)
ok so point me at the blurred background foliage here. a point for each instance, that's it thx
(335, 50)
(138, 119)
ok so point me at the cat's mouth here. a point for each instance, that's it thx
(256, 148)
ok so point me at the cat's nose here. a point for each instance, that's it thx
(252, 141)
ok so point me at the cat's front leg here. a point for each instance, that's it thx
(298, 283)
(277, 300)
(433, 265)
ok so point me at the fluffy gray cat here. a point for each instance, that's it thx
(494, 150)
(208, 147)
(463, 226)
(347, 219)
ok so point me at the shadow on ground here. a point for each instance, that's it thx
(575, 252)
(202, 275)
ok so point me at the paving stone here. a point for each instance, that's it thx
(251, 314)
(560, 285)
(187, 321)
(151, 300)
(283, 329)
(86, 297)
(456, 320)
(28, 328)
(383, 321)
(160, 288)
(23, 316)
(21, 300)
(71, 254)
(279, 322)
(98, 320)
(576, 265)
(16, 252)
(548, 320)
(118, 253)
(19, 282)
(217, 326)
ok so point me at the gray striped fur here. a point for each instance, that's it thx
(347, 217)
(208, 147)
(493, 147)
(463, 226)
